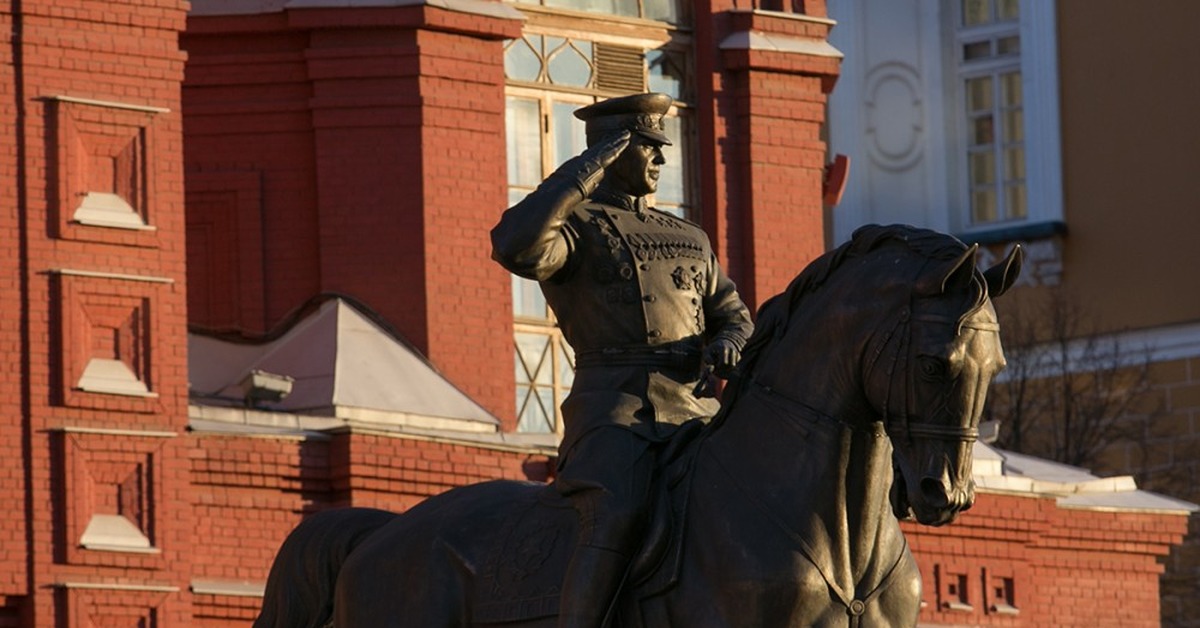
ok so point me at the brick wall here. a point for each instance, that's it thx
(762, 190)
(358, 152)
(1054, 566)
(90, 108)
(13, 139)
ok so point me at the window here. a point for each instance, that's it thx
(551, 71)
(1005, 70)
(542, 133)
(989, 67)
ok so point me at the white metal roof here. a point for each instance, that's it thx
(344, 366)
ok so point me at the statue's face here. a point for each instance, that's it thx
(635, 171)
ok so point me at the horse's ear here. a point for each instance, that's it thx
(1002, 276)
(952, 273)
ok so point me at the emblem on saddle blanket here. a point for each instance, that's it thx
(522, 576)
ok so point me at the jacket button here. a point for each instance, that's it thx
(650, 298)
(654, 333)
(645, 267)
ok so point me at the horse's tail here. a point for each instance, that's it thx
(300, 587)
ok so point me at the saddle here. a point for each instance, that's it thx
(521, 577)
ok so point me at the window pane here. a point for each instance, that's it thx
(662, 10)
(528, 300)
(566, 366)
(521, 62)
(523, 124)
(977, 50)
(524, 376)
(569, 136)
(534, 417)
(597, 6)
(522, 396)
(627, 7)
(1014, 199)
(982, 131)
(1014, 164)
(1010, 89)
(1009, 9)
(979, 94)
(976, 12)
(532, 350)
(570, 66)
(618, 7)
(670, 178)
(1009, 45)
(666, 73)
(983, 168)
(1014, 126)
(983, 205)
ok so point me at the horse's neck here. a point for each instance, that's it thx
(827, 484)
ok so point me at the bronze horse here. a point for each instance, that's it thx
(875, 360)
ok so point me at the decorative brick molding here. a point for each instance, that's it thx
(102, 171)
(105, 332)
(112, 490)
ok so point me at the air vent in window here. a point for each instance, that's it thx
(620, 68)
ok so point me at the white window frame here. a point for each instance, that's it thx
(1043, 143)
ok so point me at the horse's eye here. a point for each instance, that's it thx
(931, 368)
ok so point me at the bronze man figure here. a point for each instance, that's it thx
(642, 301)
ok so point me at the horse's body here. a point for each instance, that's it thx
(788, 495)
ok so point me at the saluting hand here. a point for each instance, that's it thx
(588, 167)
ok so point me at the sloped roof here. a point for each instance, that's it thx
(344, 366)
(1073, 487)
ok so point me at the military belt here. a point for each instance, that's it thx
(673, 355)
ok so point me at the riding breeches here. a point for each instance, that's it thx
(607, 479)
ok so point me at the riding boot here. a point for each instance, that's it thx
(590, 587)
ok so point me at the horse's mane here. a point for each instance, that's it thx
(775, 313)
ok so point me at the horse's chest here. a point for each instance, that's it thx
(745, 571)
(739, 585)
(759, 598)
(799, 597)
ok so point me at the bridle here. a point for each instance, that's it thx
(900, 378)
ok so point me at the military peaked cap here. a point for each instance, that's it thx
(639, 113)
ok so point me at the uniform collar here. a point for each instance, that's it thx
(620, 200)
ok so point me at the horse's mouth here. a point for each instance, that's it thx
(923, 512)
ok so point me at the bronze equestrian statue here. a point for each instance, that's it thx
(641, 299)
(858, 402)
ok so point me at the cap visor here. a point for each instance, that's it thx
(656, 136)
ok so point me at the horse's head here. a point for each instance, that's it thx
(896, 327)
(929, 377)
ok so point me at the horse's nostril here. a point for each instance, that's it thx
(934, 491)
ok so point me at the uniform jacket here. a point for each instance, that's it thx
(637, 292)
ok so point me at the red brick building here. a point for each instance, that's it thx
(362, 149)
